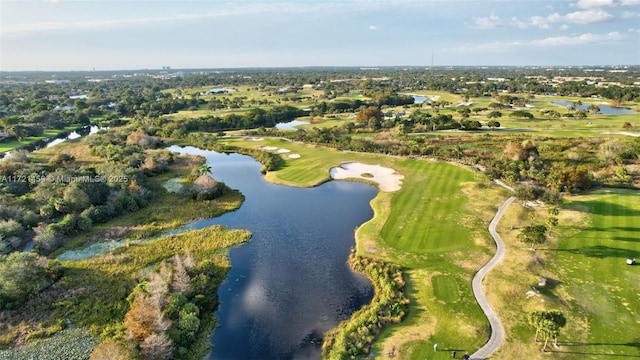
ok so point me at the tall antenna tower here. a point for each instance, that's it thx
(431, 68)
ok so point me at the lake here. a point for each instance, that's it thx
(290, 125)
(418, 99)
(291, 282)
(604, 109)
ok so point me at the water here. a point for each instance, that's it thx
(290, 125)
(604, 109)
(291, 282)
(417, 99)
(46, 143)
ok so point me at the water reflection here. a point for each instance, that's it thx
(291, 282)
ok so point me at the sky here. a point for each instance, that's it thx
(149, 34)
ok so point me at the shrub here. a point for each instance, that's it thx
(9, 228)
(24, 274)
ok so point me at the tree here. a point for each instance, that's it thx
(594, 109)
(366, 114)
(24, 274)
(581, 114)
(493, 124)
(534, 235)
(525, 193)
(204, 169)
(110, 350)
(534, 320)
(181, 282)
(522, 114)
(75, 199)
(494, 114)
(547, 324)
(157, 347)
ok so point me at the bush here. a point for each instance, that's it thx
(23, 275)
(353, 337)
(9, 228)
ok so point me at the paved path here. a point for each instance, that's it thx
(497, 332)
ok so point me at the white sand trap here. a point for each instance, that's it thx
(283, 151)
(622, 133)
(254, 139)
(293, 156)
(388, 180)
(268, 148)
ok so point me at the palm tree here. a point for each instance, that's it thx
(204, 169)
(547, 324)
(534, 320)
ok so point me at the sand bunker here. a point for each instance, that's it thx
(254, 139)
(621, 133)
(386, 178)
(276, 149)
(293, 156)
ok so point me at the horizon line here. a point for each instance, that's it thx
(363, 67)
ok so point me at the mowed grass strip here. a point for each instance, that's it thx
(427, 213)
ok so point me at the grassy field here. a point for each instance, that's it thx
(434, 227)
(10, 145)
(588, 278)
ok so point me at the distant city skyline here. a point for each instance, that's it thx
(63, 35)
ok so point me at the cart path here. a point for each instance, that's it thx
(497, 332)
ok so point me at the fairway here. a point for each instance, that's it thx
(427, 216)
(592, 265)
(590, 282)
(445, 288)
(434, 227)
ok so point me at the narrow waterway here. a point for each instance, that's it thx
(291, 282)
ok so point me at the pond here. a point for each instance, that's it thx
(418, 99)
(604, 109)
(290, 283)
(290, 125)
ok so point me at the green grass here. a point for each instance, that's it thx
(591, 262)
(433, 227)
(445, 288)
(92, 293)
(437, 197)
(589, 280)
(10, 145)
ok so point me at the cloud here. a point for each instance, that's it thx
(585, 17)
(494, 21)
(374, 27)
(230, 9)
(588, 17)
(556, 41)
(587, 38)
(590, 4)
(484, 23)
(629, 14)
(582, 17)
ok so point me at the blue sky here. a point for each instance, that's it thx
(111, 35)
